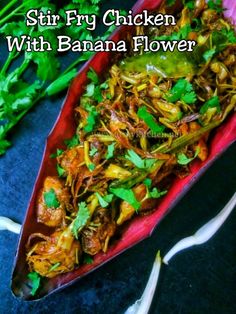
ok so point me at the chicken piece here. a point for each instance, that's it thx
(49, 258)
(96, 236)
(51, 216)
(71, 160)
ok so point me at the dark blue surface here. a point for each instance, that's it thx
(199, 280)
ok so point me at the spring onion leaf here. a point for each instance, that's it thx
(126, 195)
(50, 199)
(182, 159)
(35, 281)
(110, 151)
(138, 161)
(53, 267)
(81, 219)
(209, 54)
(150, 120)
(104, 200)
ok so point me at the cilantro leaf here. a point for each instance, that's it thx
(81, 219)
(93, 151)
(104, 200)
(154, 193)
(126, 195)
(60, 171)
(170, 2)
(147, 182)
(230, 34)
(182, 90)
(92, 75)
(110, 151)
(209, 54)
(138, 161)
(211, 103)
(47, 63)
(150, 120)
(50, 199)
(215, 5)
(59, 152)
(91, 167)
(87, 259)
(35, 281)
(91, 120)
(72, 142)
(182, 159)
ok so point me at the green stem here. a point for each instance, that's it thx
(10, 15)
(7, 7)
(11, 56)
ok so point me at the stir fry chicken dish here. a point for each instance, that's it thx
(138, 128)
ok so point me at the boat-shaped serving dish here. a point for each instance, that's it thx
(140, 227)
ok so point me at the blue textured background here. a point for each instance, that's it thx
(199, 280)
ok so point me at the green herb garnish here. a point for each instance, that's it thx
(182, 90)
(50, 199)
(81, 219)
(182, 159)
(138, 161)
(150, 120)
(72, 142)
(211, 103)
(126, 195)
(105, 200)
(110, 151)
(35, 281)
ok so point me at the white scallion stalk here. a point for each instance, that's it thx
(8, 224)
(142, 305)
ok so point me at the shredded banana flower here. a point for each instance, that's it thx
(10, 225)
(204, 234)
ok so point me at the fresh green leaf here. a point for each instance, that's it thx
(72, 142)
(170, 2)
(211, 103)
(4, 145)
(104, 201)
(81, 219)
(147, 182)
(50, 199)
(182, 159)
(91, 167)
(87, 259)
(35, 281)
(126, 195)
(155, 193)
(230, 34)
(209, 54)
(60, 171)
(150, 120)
(93, 151)
(110, 151)
(92, 75)
(59, 152)
(91, 120)
(182, 90)
(215, 5)
(138, 161)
